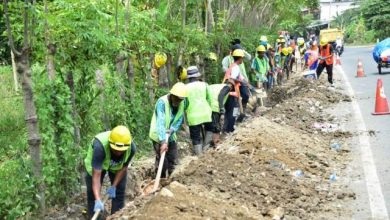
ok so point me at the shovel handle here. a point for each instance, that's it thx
(160, 166)
(97, 213)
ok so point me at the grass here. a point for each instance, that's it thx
(12, 125)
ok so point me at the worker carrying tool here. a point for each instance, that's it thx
(110, 152)
(326, 59)
(166, 120)
(198, 111)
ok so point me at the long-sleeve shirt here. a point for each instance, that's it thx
(160, 118)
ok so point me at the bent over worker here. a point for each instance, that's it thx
(326, 59)
(110, 152)
(219, 96)
(166, 120)
(198, 111)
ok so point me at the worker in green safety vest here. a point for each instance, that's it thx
(219, 95)
(110, 152)
(198, 111)
(166, 121)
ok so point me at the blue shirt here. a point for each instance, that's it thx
(160, 121)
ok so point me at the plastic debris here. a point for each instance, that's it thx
(298, 173)
(325, 127)
(277, 164)
(333, 177)
(335, 146)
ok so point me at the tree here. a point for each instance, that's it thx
(22, 59)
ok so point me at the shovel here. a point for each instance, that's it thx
(159, 170)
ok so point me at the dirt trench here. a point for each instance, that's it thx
(280, 164)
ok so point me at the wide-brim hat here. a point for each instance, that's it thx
(193, 72)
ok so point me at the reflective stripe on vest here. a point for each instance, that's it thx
(153, 124)
(215, 89)
(108, 165)
(198, 111)
(325, 53)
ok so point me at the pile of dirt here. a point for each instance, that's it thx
(269, 168)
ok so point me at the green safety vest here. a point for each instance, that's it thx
(263, 64)
(215, 89)
(198, 111)
(107, 163)
(153, 124)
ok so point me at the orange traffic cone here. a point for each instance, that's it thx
(381, 105)
(360, 71)
(338, 61)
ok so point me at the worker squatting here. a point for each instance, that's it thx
(203, 105)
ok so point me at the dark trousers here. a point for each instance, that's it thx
(230, 120)
(170, 160)
(215, 125)
(196, 134)
(244, 92)
(117, 203)
(329, 70)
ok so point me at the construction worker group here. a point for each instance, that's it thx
(200, 106)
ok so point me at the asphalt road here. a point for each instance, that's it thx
(371, 190)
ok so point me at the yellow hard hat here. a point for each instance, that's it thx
(285, 51)
(263, 38)
(260, 48)
(290, 50)
(282, 40)
(160, 59)
(179, 90)
(278, 40)
(183, 74)
(281, 36)
(213, 56)
(120, 138)
(269, 46)
(238, 53)
(324, 41)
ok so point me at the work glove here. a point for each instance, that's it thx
(98, 206)
(222, 110)
(111, 192)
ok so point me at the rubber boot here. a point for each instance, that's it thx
(242, 116)
(197, 149)
(207, 140)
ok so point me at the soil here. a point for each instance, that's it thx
(283, 162)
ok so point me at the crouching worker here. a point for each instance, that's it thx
(166, 121)
(110, 152)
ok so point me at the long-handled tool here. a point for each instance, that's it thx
(160, 166)
(96, 215)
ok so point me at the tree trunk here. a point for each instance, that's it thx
(100, 85)
(163, 77)
(130, 77)
(23, 68)
(150, 80)
(169, 69)
(15, 73)
(51, 51)
(209, 17)
(183, 13)
(76, 128)
(34, 139)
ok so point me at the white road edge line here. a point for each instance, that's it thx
(377, 201)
